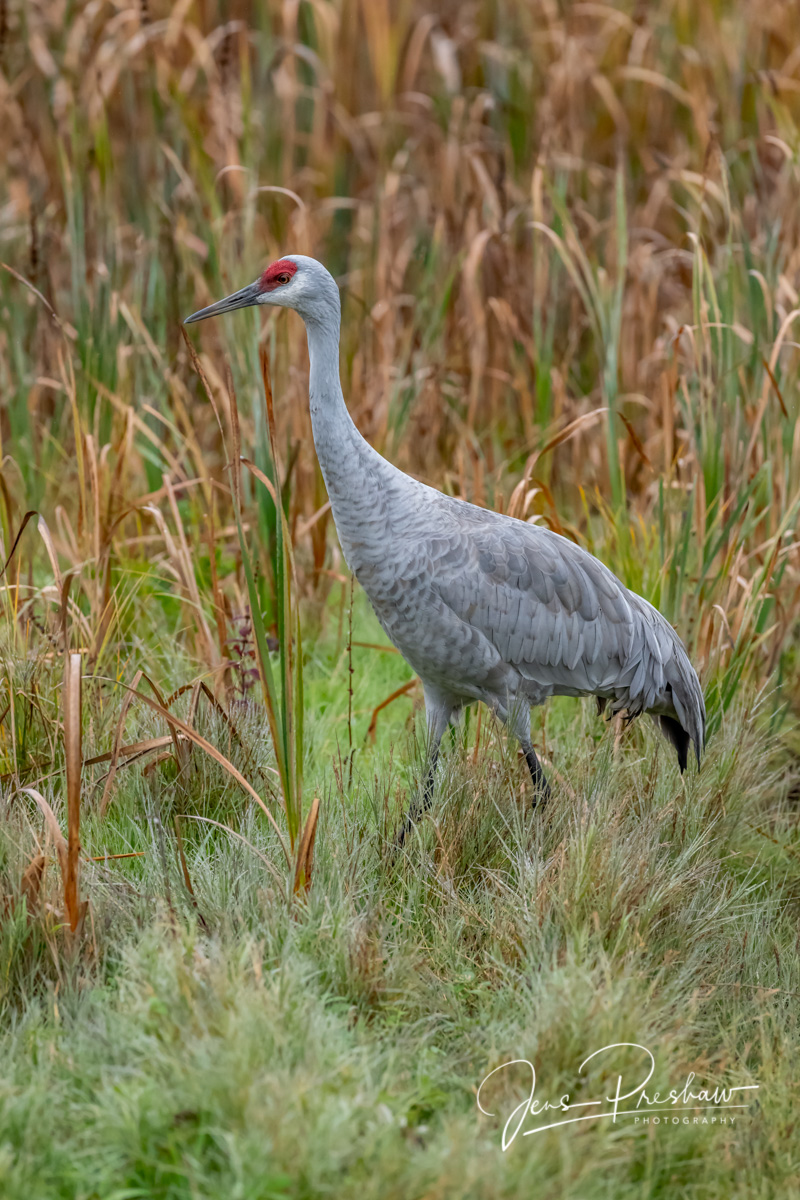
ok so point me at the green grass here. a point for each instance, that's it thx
(568, 247)
(234, 1044)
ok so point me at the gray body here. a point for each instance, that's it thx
(482, 606)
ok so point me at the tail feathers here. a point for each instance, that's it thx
(666, 686)
(671, 728)
(689, 722)
(675, 733)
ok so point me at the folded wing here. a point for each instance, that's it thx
(562, 618)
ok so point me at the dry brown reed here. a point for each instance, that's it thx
(569, 246)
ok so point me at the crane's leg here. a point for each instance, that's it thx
(437, 711)
(517, 719)
(541, 788)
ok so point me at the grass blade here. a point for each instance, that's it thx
(73, 676)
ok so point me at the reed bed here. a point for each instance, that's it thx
(568, 241)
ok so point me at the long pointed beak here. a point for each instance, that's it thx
(241, 299)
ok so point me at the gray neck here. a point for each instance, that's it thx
(335, 436)
(355, 475)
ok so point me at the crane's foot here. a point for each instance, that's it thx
(405, 829)
(541, 788)
(419, 805)
(422, 802)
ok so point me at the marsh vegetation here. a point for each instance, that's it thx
(568, 242)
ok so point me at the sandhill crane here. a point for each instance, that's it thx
(482, 606)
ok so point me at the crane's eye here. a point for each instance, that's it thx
(284, 278)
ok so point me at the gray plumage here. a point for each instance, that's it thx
(482, 606)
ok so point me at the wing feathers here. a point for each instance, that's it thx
(561, 617)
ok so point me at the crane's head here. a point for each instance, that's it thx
(294, 282)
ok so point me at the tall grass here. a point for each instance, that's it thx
(568, 244)
(535, 217)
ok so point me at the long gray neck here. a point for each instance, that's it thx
(335, 436)
(358, 479)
